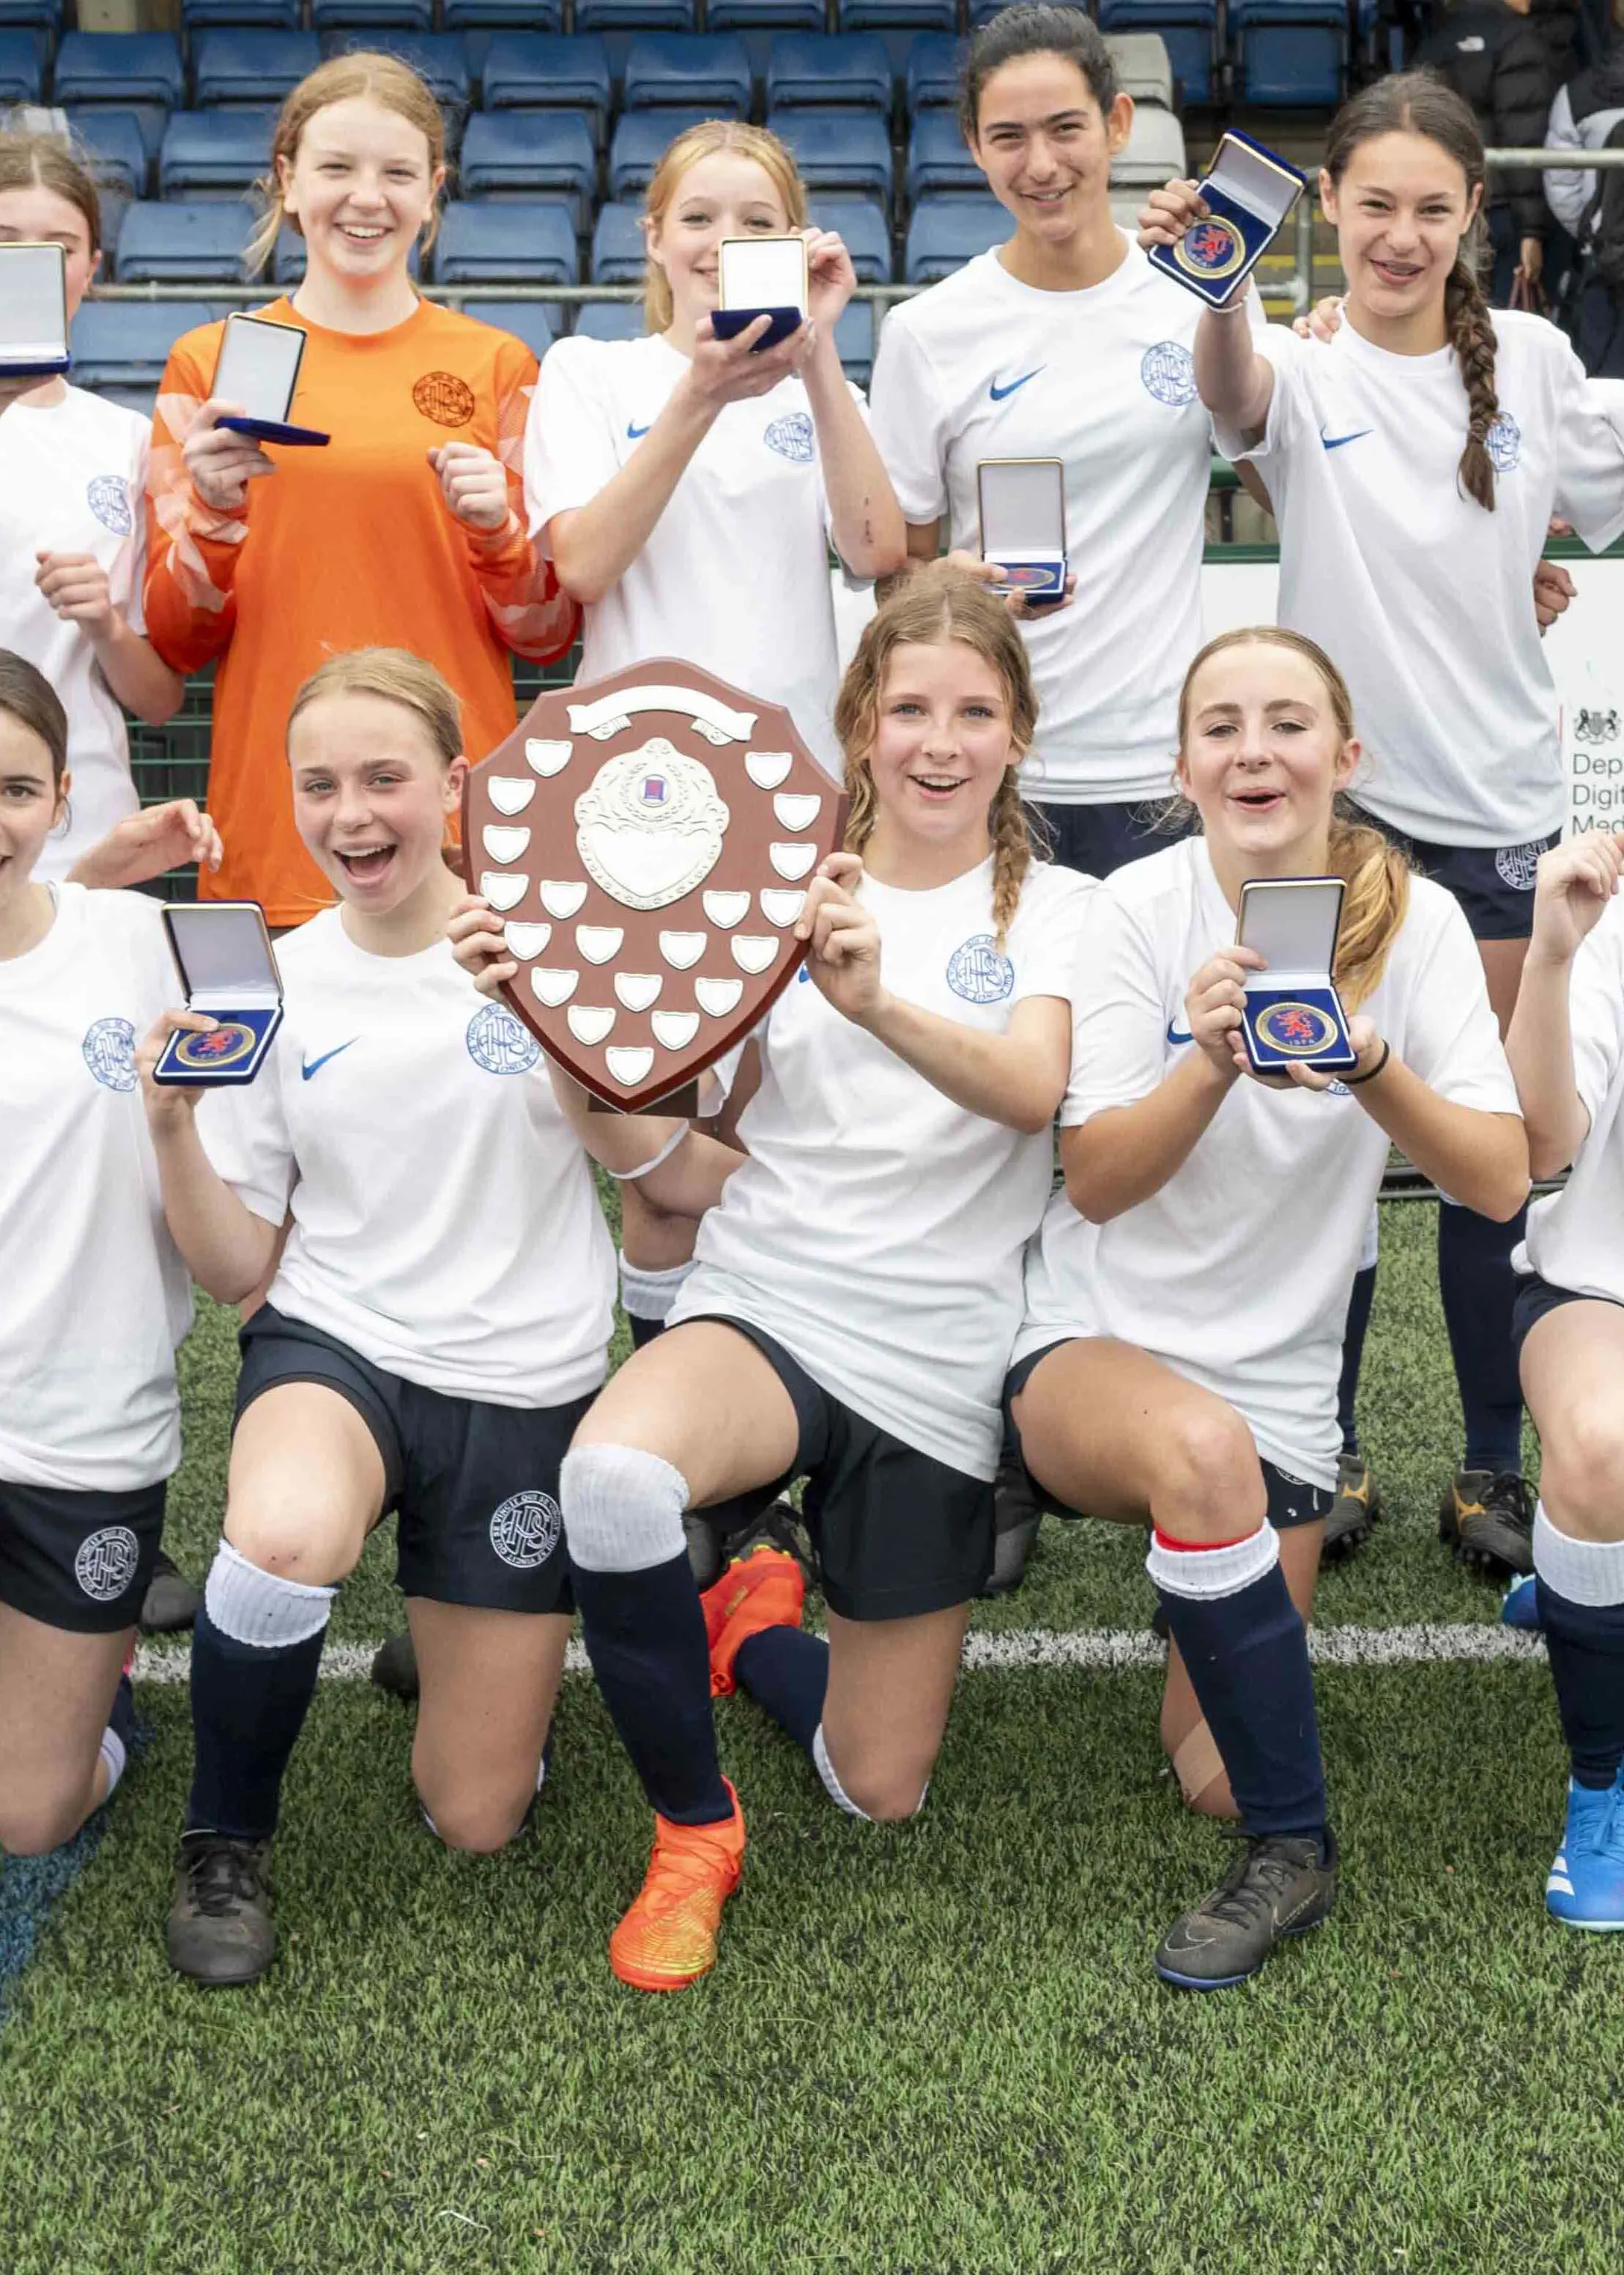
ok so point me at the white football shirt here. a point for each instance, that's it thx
(73, 480)
(1576, 1237)
(877, 1229)
(1238, 1272)
(735, 576)
(1424, 600)
(445, 1224)
(96, 1297)
(983, 366)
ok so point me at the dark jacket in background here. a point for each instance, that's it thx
(1498, 61)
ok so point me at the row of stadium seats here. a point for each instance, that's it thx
(1283, 52)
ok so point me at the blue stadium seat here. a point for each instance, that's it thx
(937, 159)
(502, 15)
(537, 322)
(838, 149)
(531, 71)
(640, 143)
(376, 15)
(268, 15)
(899, 15)
(120, 68)
(232, 65)
(22, 66)
(32, 16)
(517, 241)
(507, 155)
(199, 243)
(764, 15)
(119, 159)
(812, 68)
(689, 70)
(946, 233)
(933, 63)
(862, 225)
(438, 57)
(1292, 54)
(853, 338)
(617, 250)
(126, 343)
(1188, 29)
(634, 15)
(610, 319)
(213, 153)
(982, 11)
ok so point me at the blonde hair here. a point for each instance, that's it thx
(704, 141)
(50, 162)
(395, 676)
(383, 79)
(1376, 873)
(933, 608)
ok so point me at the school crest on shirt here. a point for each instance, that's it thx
(791, 436)
(979, 971)
(525, 1531)
(1168, 372)
(105, 1563)
(110, 1053)
(648, 841)
(1504, 443)
(107, 497)
(443, 397)
(498, 1044)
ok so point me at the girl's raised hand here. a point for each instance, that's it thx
(1576, 882)
(474, 483)
(167, 1104)
(146, 844)
(1212, 1008)
(843, 940)
(831, 278)
(476, 933)
(729, 371)
(76, 586)
(1169, 212)
(220, 462)
(1323, 321)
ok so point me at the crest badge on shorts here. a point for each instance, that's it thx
(648, 841)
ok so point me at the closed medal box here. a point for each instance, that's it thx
(227, 968)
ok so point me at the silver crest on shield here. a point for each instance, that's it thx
(650, 828)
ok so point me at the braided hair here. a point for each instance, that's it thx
(1420, 103)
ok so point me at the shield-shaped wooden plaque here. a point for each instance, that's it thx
(648, 841)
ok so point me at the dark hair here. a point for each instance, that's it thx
(49, 161)
(28, 697)
(1034, 28)
(1420, 103)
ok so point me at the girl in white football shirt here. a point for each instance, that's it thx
(687, 490)
(437, 1322)
(1414, 461)
(1185, 1304)
(856, 1291)
(1566, 1051)
(74, 522)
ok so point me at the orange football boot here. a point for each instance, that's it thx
(667, 1939)
(763, 1590)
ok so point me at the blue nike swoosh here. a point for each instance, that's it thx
(307, 1067)
(1335, 442)
(635, 434)
(1176, 1035)
(998, 393)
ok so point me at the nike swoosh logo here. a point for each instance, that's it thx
(635, 434)
(307, 1067)
(998, 393)
(1335, 442)
(1176, 1035)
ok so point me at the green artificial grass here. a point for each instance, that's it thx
(929, 2050)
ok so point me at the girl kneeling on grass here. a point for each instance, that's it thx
(1566, 1051)
(436, 1326)
(1185, 1304)
(857, 1290)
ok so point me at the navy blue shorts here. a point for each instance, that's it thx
(897, 1533)
(79, 1561)
(475, 1486)
(1291, 1500)
(1537, 1296)
(1495, 884)
(1097, 839)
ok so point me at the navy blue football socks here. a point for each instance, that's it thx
(248, 1706)
(1353, 1356)
(1479, 1289)
(786, 1671)
(1579, 1585)
(644, 1634)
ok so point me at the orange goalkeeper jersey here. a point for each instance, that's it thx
(348, 546)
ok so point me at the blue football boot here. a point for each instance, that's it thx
(1520, 1605)
(1586, 1883)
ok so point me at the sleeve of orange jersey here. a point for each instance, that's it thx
(192, 551)
(529, 609)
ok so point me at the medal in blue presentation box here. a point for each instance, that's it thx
(1022, 505)
(1293, 1015)
(33, 312)
(227, 968)
(259, 368)
(761, 276)
(1248, 191)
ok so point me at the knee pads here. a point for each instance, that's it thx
(623, 1508)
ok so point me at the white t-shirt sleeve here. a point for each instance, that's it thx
(1596, 1015)
(1289, 406)
(244, 1134)
(1589, 463)
(1451, 1039)
(908, 415)
(570, 434)
(1118, 1039)
(1050, 961)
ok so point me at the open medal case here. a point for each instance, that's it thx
(259, 368)
(1248, 192)
(1293, 1015)
(761, 276)
(228, 967)
(33, 312)
(1022, 505)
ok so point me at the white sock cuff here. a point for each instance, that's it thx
(623, 1508)
(650, 1295)
(261, 1608)
(832, 1785)
(1370, 1248)
(1205, 1574)
(1589, 1572)
(112, 1752)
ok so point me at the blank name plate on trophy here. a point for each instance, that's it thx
(648, 842)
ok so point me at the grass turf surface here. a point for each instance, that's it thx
(938, 2047)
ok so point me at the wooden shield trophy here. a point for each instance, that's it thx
(648, 841)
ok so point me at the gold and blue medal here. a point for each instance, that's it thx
(1297, 1030)
(1211, 250)
(224, 1046)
